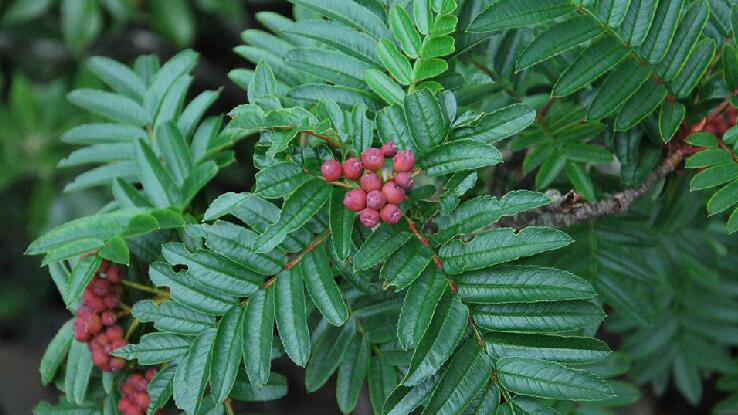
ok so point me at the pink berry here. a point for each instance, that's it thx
(116, 364)
(111, 301)
(101, 287)
(94, 325)
(150, 373)
(104, 265)
(393, 193)
(404, 160)
(331, 170)
(100, 358)
(108, 318)
(352, 168)
(142, 400)
(404, 180)
(391, 213)
(373, 158)
(114, 274)
(369, 217)
(389, 149)
(370, 181)
(114, 332)
(375, 200)
(355, 200)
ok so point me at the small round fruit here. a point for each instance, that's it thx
(373, 158)
(142, 400)
(108, 318)
(114, 274)
(94, 325)
(111, 301)
(390, 214)
(389, 149)
(370, 181)
(404, 180)
(404, 160)
(150, 373)
(369, 217)
(355, 200)
(375, 200)
(114, 332)
(393, 193)
(117, 364)
(331, 170)
(100, 358)
(352, 168)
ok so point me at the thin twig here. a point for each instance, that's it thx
(146, 288)
(313, 244)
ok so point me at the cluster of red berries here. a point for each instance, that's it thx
(717, 124)
(96, 318)
(135, 398)
(379, 193)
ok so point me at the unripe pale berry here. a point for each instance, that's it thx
(375, 200)
(389, 149)
(331, 170)
(404, 180)
(352, 168)
(372, 158)
(404, 160)
(370, 181)
(369, 217)
(393, 193)
(390, 214)
(355, 200)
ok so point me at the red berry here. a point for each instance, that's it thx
(127, 388)
(114, 332)
(111, 301)
(150, 373)
(97, 304)
(101, 339)
(88, 295)
(370, 181)
(100, 358)
(138, 381)
(352, 168)
(390, 213)
(355, 200)
(389, 149)
(94, 325)
(104, 265)
(404, 180)
(117, 364)
(331, 170)
(114, 274)
(375, 200)
(142, 400)
(108, 318)
(124, 404)
(101, 288)
(404, 160)
(369, 217)
(393, 193)
(373, 158)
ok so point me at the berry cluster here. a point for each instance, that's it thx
(96, 318)
(135, 398)
(378, 195)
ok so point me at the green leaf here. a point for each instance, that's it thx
(212, 270)
(77, 372)
(467, 374)
(188, 292)
(587, 153)
(115, 250)
(275, 388)
(405, 264)
(612, 11)
(499, 124)
(384, 86)
(194, 111)
(227, 353)
(500, 245)
(660, 36)
(334, 67)
(383, 241)
(714, 176)
(730, 66)
(622, 82)
(351, 374)
(402, 28)
(81, 22)
(723, 198)
(160, 388)
(594, 61)
(707, 158)
(703, 139)
(570, 350)
(155, 348)
(510, 14)
(193, 373)
(538, 317)
(176, 153)
(112, 106)
(648, 97)
(425, 119)
(580, 179)
(686, 37)
(81, 276)
(637, 22)
(550, 380)
(262, 84)
(328, 352)
(258, 335)
(56, 353)
(158, 184)
(177, 66)
(694, 68)
(349, 13)
(298, 208)
(426, 68)
(482, 211)
(395, 62)
(557, 39)
(522, 284)
(341, 222)
(382, 380)
(322, 287)
(118, 76)
(419, 306)
(172, 317)
(670, 118)
(438, 341)
(403, 400)
(392, 126)
(291, 315)
(459, 155)
(175, 20)
(339, 36)
(103, 134)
